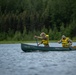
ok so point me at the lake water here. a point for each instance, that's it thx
(13, 61)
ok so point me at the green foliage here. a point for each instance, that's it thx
(74, 38)
(25, 18)
(17, 36)
(3, 36)
(44, 30)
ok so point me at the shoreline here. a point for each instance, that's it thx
(17, 42)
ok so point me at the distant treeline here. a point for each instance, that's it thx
(22, 19)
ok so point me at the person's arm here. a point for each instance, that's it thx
(38, 37)
(40, 43)
(59, 41)
(70, 41)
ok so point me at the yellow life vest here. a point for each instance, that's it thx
(65, 42)
(46, 41)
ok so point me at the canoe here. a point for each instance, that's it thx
(30, 48)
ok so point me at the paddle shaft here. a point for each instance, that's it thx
(37, 41)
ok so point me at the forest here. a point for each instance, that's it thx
(22, 19)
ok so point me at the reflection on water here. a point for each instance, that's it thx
(13, 61)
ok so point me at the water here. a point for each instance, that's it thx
(13, 61)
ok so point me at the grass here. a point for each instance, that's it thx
(17, 42)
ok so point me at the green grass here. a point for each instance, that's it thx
(17, 42)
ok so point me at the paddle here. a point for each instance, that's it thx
(36, 41)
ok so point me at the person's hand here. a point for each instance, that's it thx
(38, 44)
(35, 36)
(70, 43)
(59, 42)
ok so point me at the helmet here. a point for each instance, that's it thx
(63, 36)
(42, 34)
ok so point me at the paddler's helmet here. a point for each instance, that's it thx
(42, 34)
(63, 36)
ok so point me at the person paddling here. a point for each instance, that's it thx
(66, 42)
(44, 39)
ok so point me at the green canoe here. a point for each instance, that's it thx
(30, 48)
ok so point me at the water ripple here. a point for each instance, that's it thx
(13, 61)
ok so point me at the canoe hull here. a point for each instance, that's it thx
(30, 48)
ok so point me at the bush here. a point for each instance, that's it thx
(17, 36)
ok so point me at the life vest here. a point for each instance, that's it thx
(65, 42)
(46, 41)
